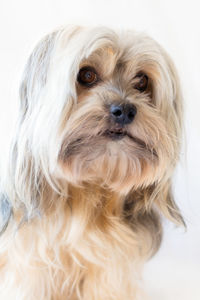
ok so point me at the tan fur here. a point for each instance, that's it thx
(86, 208)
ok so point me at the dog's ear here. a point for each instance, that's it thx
(24, 174)
(162, 192)
(5, 212)
(35, 73)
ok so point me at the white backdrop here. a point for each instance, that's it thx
(174, 273)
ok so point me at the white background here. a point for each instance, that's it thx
(174, 273)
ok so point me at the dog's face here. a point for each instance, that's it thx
(109, 106)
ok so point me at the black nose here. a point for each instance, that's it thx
(123, 114)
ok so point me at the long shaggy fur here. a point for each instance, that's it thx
(80, 212)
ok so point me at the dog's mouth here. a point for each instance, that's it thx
(116, 133)
(120, 133)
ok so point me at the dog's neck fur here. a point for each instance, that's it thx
(76, 237)
(91, 232)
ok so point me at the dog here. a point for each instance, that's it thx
(89, 171)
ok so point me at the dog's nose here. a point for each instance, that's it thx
(123, 114)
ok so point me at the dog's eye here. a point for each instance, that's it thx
(142, 82)
(87, 76)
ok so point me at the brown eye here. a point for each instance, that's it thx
(142, 82)
(87, 76)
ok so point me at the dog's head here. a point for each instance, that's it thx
(102, 107)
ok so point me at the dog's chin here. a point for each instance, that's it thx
(113, 158)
